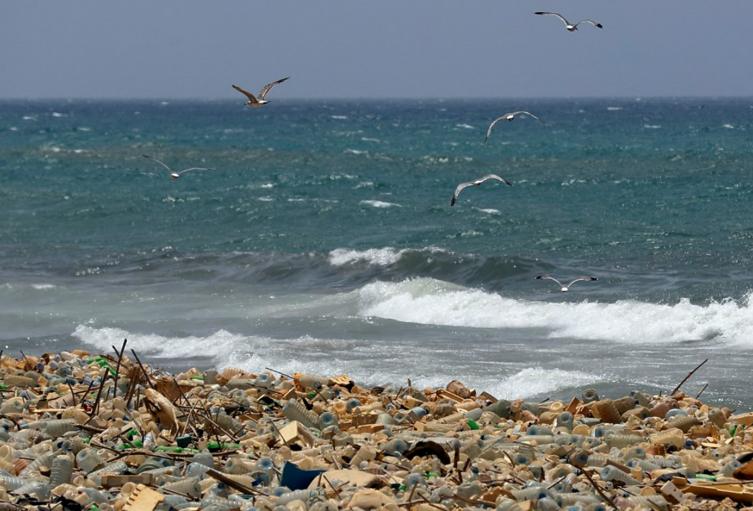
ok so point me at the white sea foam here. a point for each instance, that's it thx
(379, 204)
(728, 126)
(652, 126)
(43, 286)
(371, 139)
(614, 108)
(355, 151)
(376, 256)
(488, 211)
(534, 381)
(321, 356)
(339, 117)
(430, 301)
(465, 126)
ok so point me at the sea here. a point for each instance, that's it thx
(323, 240)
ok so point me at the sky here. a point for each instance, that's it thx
(373, 49)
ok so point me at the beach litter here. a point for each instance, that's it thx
(102, 432)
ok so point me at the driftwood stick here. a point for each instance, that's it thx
(73, 394)
(117, 368)
(687, 377)
(99, 392)
(599, 490)
(148, 380)
(233, 483)
(697, 396)
(278, 372)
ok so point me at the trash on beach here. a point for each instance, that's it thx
(110, 433)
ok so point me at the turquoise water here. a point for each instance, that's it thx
(324, 240)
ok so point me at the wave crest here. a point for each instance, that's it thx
(430, 301)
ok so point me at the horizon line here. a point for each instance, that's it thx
(376, 98)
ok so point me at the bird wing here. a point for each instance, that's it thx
(549, 277)
(190, 169)
(592, 22)
(265, 90)
(476, 182)
(526, 112)
(546, 13)
(579, 279)
(458, 189)
(489, 177)
(158, 161)
(491, 126)
(250, 96)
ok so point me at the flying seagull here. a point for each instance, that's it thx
(463, 186)
(565, 288)
(253, 101)
(173, 174)
(570, 27)
(508, 117)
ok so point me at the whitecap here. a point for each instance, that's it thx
(43, 286)
(355, 151)
(652, 126)
(371, 139)
(534, 381)
(614, 108)
(375, 256)
(465, 126)
(379, 204)
(338, 117)
(430, 301)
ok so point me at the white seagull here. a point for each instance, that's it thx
(463, 186)
(570, 27)
(253, 101)
(507, 117)
(173, 173)
(565, 288)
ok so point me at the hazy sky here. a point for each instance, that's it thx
(377, 48)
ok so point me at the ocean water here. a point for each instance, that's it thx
(323, 239)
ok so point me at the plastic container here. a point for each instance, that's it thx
(295, 411)
(61, 470)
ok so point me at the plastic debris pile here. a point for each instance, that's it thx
(79, 431)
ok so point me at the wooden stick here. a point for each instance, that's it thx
(600, 492)
(73, 394)
(148, 380)
(117, 368)
(701, 392)
(687, 377)
(233, 483)
(99, 392)
(279, 372)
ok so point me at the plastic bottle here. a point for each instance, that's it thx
(565, 420)
(531, 493)
(610, 473)
(295, 411)
(61, 469)
(327, 419)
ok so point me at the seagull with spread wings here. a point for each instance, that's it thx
(570, 27)
(477, 182)
(253, 101)
(509, 117)
(174, 174)
(566, 288)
